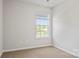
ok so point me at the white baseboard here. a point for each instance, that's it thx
(27, 48)
(1, 54)
(57, 46)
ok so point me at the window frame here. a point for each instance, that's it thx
(41, 25)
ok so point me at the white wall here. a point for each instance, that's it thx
(19, 20)
(1, 27)
(66, 26)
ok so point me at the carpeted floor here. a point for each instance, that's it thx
(45, 52)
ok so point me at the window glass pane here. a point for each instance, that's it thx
(38, 34)
(41, 26)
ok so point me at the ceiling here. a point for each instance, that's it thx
(51, 3)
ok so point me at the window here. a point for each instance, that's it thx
(42, 26)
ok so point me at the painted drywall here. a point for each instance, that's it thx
(1, 27)
(66, 26)
(19, 18)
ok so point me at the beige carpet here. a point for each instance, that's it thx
(45, 52)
